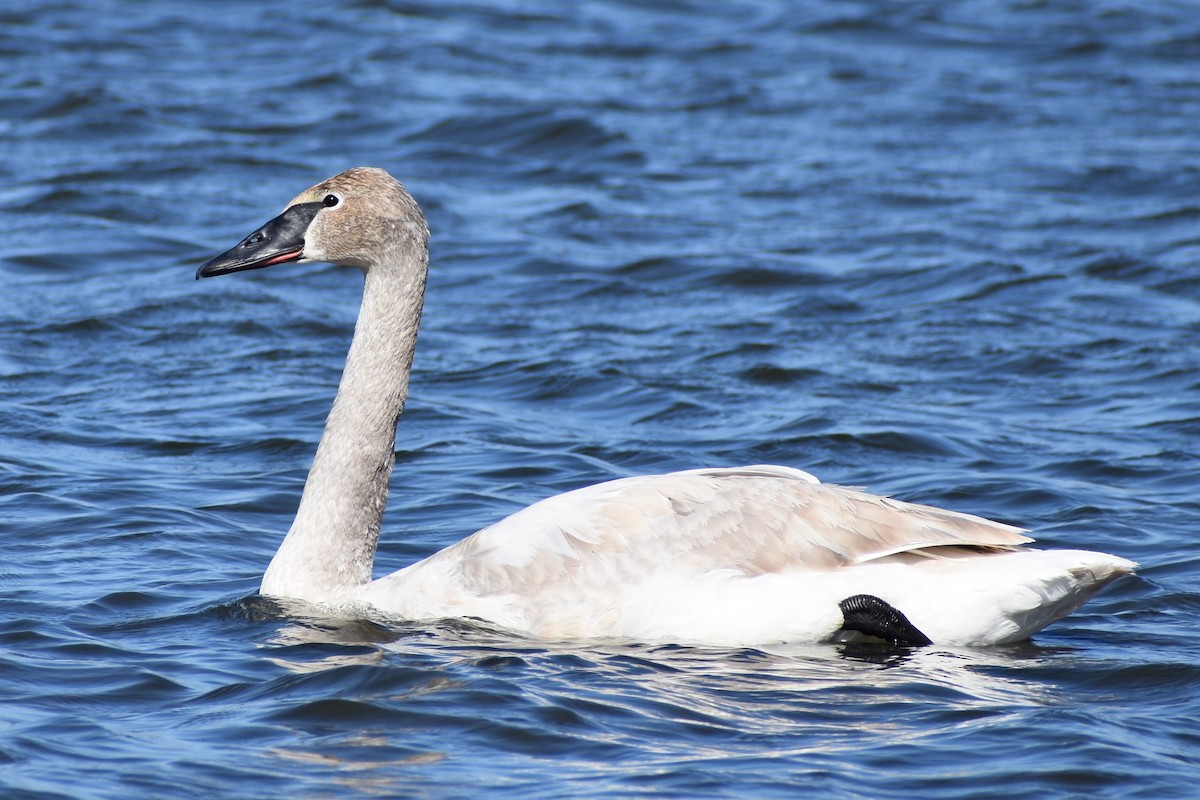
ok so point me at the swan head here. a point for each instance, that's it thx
(355, 218)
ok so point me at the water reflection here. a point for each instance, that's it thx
(972, 675)
(374, 707)
(363, 764)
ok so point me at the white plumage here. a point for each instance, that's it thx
(739, 557)
(728, 556)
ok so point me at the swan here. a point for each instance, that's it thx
(727, 556)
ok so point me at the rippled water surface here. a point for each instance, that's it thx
(946, 251)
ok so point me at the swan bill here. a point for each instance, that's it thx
(279, 241)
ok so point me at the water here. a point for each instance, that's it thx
(942, 250)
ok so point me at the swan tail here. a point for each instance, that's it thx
(989, 599)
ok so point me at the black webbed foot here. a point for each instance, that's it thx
(866, 613)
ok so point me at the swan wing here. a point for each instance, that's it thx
(755, 520)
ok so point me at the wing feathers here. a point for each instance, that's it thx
(756, 520)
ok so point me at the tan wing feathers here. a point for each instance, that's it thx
(749, 520)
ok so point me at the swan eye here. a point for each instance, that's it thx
(331, 200)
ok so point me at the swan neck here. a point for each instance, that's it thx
(330, 547)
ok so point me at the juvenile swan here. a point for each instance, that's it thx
(724, 556)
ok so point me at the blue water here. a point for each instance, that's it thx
(946, 251)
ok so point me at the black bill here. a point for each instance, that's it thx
(279, 241)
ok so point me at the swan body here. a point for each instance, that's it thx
(723, 556)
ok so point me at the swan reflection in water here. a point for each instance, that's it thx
(383, 699)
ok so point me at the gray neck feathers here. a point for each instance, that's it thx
(331, 545)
